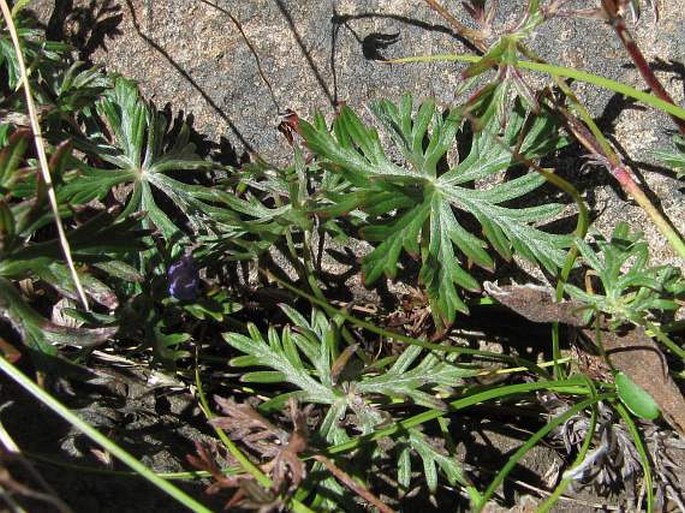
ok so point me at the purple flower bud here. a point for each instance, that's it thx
(184, 279)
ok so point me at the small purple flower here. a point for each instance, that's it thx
(184, 280)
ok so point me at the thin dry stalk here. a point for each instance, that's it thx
(473, 36)
(42, 157)
(353, 485)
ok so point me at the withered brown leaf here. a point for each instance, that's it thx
(280, 448)
(630, 350)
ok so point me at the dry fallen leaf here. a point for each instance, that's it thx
(636, 354)
(631, 351)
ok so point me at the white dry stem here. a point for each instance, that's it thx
(6, 440)
(42, 158)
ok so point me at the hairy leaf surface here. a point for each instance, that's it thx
(423, 200)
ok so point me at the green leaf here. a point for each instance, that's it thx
(305, 355)
(90, 183)
(424, 204)
(407, 378)
(166, 344)
(174, 339)
(7, 227)
(263, 377)
(433, 460)
(121, 270)
(629, 289)
(216, 306)
(11, 157)
(278, 354)
(404, 468)
(93, 241)
(38, 332)
(59, 276)
(18, 6)
(142, 149)
(635, 398)
(674, 158)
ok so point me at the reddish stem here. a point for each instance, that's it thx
(619, 25)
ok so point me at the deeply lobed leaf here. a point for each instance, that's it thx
(424, 204)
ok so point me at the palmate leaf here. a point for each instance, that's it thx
(422, 206)
(137, 143)
(148, 160)
(24, 210)
(306, 356)
(283, 353)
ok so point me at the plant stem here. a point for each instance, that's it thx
(598, 148)
(559, 71)
(589, 135)
(576, 385)
(618, 23)
(352, 484)
(532, 441)
(642, 451)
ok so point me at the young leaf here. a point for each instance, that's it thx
(408, 378)
(278, 353)
(630, 287)
(432, 461)
(306, 355)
